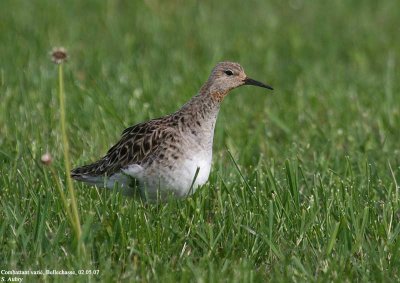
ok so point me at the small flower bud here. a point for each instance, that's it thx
(46, 159)
(59, 55)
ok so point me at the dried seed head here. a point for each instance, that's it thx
(59, 55)
(46, 159)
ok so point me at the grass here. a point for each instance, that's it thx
(304, 184)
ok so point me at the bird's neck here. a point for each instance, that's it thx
(202, 107)
(212, 92)
(201, 112)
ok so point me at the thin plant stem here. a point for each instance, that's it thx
(74, 208)
(61, 192)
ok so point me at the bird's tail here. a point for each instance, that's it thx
(118, 181)
(88, 173)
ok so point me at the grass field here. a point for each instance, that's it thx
(305, 181)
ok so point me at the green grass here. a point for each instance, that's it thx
(304, 183)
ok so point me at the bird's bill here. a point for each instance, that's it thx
(248, 81)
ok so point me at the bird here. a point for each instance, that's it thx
(171, 155)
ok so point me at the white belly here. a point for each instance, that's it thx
(194, 171)
(185, 176)
(180, 181)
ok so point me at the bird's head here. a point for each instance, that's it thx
(229, 75)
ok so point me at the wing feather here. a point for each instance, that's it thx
(136, 144)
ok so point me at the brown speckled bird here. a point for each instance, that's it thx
(171, 154)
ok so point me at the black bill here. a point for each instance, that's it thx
(248, 81)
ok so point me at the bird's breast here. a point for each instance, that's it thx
(196, 167)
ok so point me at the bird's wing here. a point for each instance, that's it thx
(136, 143)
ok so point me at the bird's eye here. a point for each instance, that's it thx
(228, 72)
